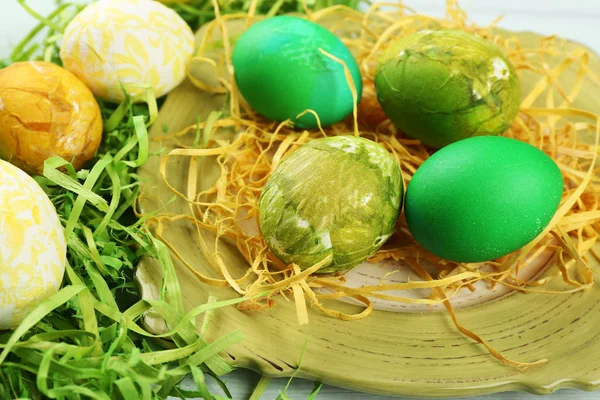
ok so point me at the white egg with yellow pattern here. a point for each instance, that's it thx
(32, 246)
(132, 44)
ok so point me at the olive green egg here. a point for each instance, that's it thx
(338, 196)
(482, 198)
(446, 85)
(281, 72)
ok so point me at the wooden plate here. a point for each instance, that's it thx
(398, 353)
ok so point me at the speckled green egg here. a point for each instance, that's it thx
(447, 85)
(281, 72)
(338, 196)
(482, 198)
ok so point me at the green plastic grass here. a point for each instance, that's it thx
(198, 12)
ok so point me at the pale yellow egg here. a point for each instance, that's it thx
(32, 246)
(129, 43)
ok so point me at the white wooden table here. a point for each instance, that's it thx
(575, 19)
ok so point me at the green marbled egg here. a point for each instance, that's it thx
(338, 196)
(447, 85)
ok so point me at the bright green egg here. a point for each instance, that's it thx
(447, 85)
(338, 196)
(281, 72)
(482, 198)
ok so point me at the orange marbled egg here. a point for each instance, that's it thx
(46, 111)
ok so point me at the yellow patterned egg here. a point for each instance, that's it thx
(32, 246)
(127, 43)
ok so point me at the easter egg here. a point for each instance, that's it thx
(482, 198)
(131, 43)
(32, 246)
(447, 85)
(281, 72)
(46, 111)
(338, 196)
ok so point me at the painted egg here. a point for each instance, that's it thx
(133, 43)
(338, 196)
(281, 72)
(46, 111)
(447, 85)
(482, 198)
(32, 246)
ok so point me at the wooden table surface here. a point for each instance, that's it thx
(575, 19)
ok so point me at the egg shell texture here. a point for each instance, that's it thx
(135, 43)
(447, 85)
(281, 72)
(46, 111)
(32, 246)
(481, 198)
(338, 196)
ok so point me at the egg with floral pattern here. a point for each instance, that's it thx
(116, 45)
(32, 246)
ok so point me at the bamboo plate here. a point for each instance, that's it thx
(397, 353)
